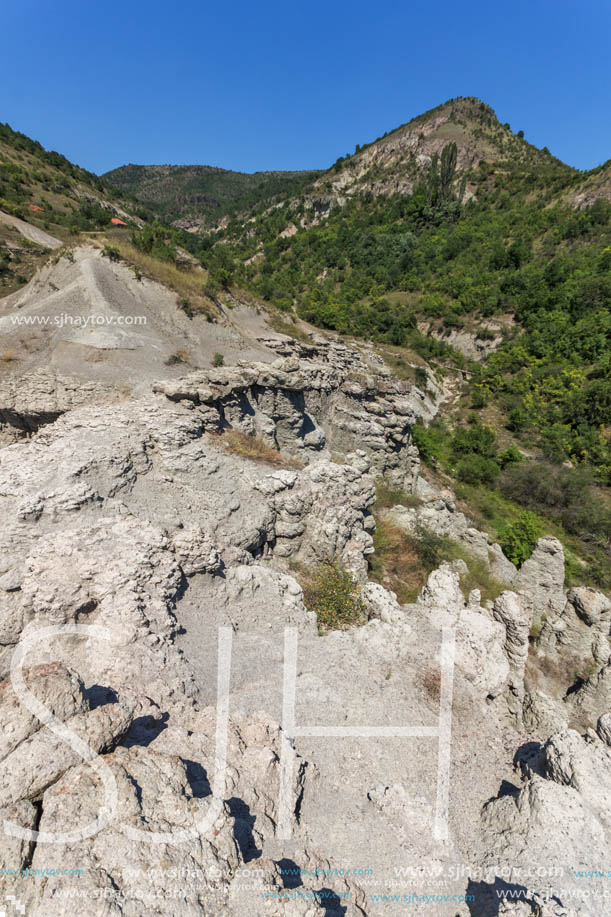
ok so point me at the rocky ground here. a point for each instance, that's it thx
(148, 568)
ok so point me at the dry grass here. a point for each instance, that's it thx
(402, 562)
(332, 594)
(8, 356)
(288, 326)
(478, 576)
(256, 449)
(396, 563)
(387, 496)
(189, 281)
(180, 356)
(431, 682)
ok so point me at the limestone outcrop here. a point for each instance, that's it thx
(147, 563)
(309, 409)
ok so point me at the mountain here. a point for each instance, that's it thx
(261, 528)
(195, 196)
(45, 201)
(394, 163)
(450, 241)
(453, 230)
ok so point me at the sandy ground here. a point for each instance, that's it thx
(88, 317)
(33, 233)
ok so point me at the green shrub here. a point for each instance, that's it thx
(421, 378)
(518, 538)
(218, 360)
(475, 469)
(477, 439)
(510, 456)
(431, 441)
(212, 288)
(112, 253)
(430, 548)
(333, 595)
(566, 495)
(156, 240)
(186, 307)
(478, 399)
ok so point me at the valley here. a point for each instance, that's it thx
(305, 480)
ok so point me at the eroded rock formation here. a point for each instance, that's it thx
(138, 519)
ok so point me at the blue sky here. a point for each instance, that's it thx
(281, 85)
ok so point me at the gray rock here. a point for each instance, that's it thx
(543, 714)
(603, 728)
(509, 610)
(540, 580)
(138, 517)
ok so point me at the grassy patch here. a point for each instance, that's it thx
(586, 563)
(255, 449)
(403, 561)
(189, 281)
(401, 362)
(396, 562)
(478, 575)
(387, 496)
(332, 594)
(288, 326)
(181, 356)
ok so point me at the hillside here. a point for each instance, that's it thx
(45, 201)
(454, 230)
(395, 162)
(297, 555)
(196, 196)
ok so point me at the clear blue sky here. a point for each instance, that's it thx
(293, 85)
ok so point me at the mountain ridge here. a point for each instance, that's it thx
(192, 195)
(392, 163)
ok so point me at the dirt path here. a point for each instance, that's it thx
(33, 233)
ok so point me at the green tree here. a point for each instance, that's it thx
(518, 538)
(447, 170)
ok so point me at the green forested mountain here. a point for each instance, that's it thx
(45, 179)
(455, 221)
(450, 228)
(54, 195)
(203, 194)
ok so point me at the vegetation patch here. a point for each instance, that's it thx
(518, 538)
(403, 561)
(397, 562)
(332, 594)
(387, 496)
(187, 280)
(255, 449)
(288, 325)
(180, 356)
(382, 266)
(496, 486)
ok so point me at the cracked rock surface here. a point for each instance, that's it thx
(140, 538)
